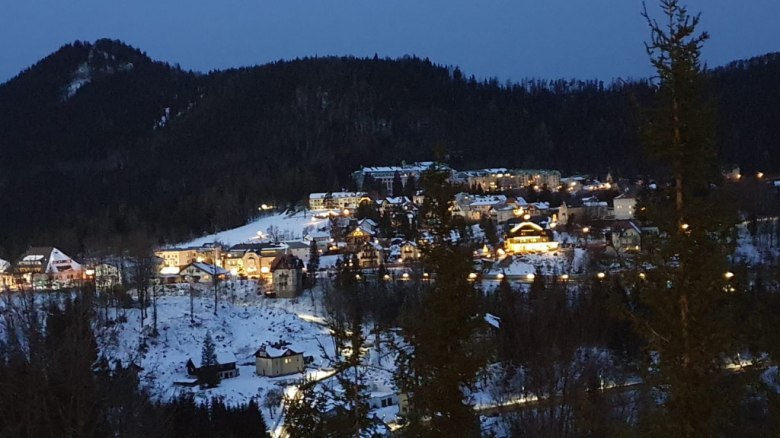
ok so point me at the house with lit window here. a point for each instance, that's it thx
(272, 360)
(6, 276)
(47, 266)
(528, 237)
(623, 206)
(287, 272)
(201, 273)
(626, 236)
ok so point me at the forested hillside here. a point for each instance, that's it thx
(102, 146)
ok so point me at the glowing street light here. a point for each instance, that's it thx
(760, 175)
(405, 276)
(530, 276)
(642, 275)
(500, 276)
(565, 277)
(601, 275)
(728, 275)
(472, 276)
(386, 277)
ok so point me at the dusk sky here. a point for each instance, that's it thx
(499, 38)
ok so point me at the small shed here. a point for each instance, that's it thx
(226, 365)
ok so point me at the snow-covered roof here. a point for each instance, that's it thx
(4, 265)
(493, 320)
(338, 195)
(270, 352)
(223, 358)
(209, 269)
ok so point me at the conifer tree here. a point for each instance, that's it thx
(439, 359)
(208, 375)
(313, 264)
(398, 185)
(683, 306)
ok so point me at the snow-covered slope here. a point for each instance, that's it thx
(287, 227)
(244, 321)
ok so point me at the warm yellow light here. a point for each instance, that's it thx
(500, 276)
(472, 276)
(760, 175)
(346, 212)
(90, 272)
(265, 269)
(565, 277)
(357, 276)
(234, 271)
(405, 275)
(585, 229)
(386, 277)
(684, 227)
(530, 276)
(728, 275)
(425, 275)
(601, 275)
(526, 217)
(642, 275)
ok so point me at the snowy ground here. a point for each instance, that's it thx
(244, 321)
(290, 227)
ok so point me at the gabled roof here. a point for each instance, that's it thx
(270, 352)
(223, 358)
(625, 225)
(286, 261)
(207, 268)
(527, 225)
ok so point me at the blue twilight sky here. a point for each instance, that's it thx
(507, 39)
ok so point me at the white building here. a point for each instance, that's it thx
(337, 200)
(385, 174)
(624, 205)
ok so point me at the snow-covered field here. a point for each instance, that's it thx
(244, 321)
(290, 227)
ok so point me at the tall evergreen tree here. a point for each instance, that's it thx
(208, 375)
(685, 309)
(440, 360)
(398, 185)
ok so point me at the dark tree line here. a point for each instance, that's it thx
(77, 172)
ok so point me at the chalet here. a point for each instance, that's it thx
(201, 273)
(626, 236)
(41, 266)
(278, 360)
(409, 252)
(226, 365)
(371, 255)
(527, 237)
(287, 273)
(363, 233)
(110, 273)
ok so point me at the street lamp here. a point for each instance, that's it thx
(601, 275)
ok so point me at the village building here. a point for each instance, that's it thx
(176, 258)
(409, 252)
(528, 237)
(623, 206)
(297, 248)
(226, 365)
(385, 174)
(278, 360)
(48, 266)
(287, 272)
(252, 260)
(496, 179)
(337, 200)
(6, 275)
(109, 273)
(363, 233)
(371, 255)
(201, 273)
(380, 396)
(626, 236)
